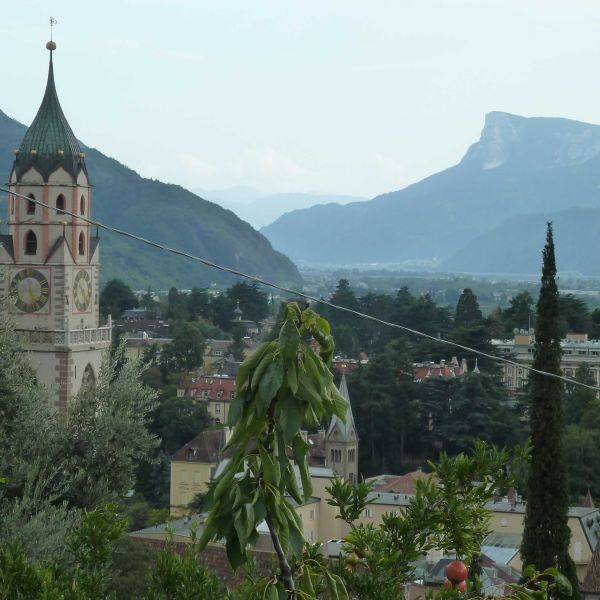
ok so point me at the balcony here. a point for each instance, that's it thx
(99, 336)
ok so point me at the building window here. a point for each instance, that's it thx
(312, 536)
(82, 205)
(232, 395)
(30, 243)
(368, 513)
(218, 407)
(351, 455)
(332, 455)
(89, 379)
(31, 205)
(219, 393)
(312, 514)
(60, 204)
(184, 477)
(81, 244)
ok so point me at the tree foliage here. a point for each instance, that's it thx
(116, 297)
(281, 386)
(54, 467)
(546, 532)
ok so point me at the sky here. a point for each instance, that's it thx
(324, 96)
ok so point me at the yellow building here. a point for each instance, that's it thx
(193, 466)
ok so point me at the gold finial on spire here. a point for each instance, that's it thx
(51, 45)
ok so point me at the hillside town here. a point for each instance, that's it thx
(252, 438)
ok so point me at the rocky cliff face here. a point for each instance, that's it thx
(535, 142)
(519, 166)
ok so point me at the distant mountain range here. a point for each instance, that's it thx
(260, 210)
(165, 213)
(486, 213)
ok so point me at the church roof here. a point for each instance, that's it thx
(49, 143)
(347, 429)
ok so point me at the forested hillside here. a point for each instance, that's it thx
(166, 213)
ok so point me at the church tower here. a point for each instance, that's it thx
(341, 442)
(49, 259)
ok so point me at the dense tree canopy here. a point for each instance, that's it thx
(115, 298)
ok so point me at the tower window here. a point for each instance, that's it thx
(82, 205)
(81, 244)
(60, 204)
(31, 205)
(30, 243)
(89, 379)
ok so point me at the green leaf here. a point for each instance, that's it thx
(268, 388)
(260, 508)
(564, 585)
(235, 410)
(264, 364)
(289, 339)
(250, 519)
(331, 586)
(290, 419)
(296, 539)
(340, 587)
(271, 469)
(241, 525)
(250, 363)
(300, 448)
(272, 592)
(234, 552)
(340, 404)
(292, 377)
(292, 486)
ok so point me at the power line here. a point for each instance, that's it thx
(208, 263)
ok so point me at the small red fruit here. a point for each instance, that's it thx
(456, 571)
(462, 587)
(447, 584)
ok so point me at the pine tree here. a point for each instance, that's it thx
(546, 533)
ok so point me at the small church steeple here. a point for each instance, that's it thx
(49, 142)
(51, 261)
(341, 441)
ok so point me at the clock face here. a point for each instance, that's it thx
(82, 290)
(30, 289)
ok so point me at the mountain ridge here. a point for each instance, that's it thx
(169, 214)
(532, 164)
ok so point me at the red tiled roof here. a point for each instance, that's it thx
(212, 388)
(399, 484)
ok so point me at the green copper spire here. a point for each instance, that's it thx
(49, 142)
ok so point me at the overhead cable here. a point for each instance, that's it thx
(292, 292)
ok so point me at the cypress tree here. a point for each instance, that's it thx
(546, 532)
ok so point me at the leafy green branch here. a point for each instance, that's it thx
(282, 386)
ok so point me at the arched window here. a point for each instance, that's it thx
(60, 204)
(81, 244)
(89, 379)
(30, 243)
(31, 205)
(332, 455)
(82, 205)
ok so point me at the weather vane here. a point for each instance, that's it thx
(53, 22)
